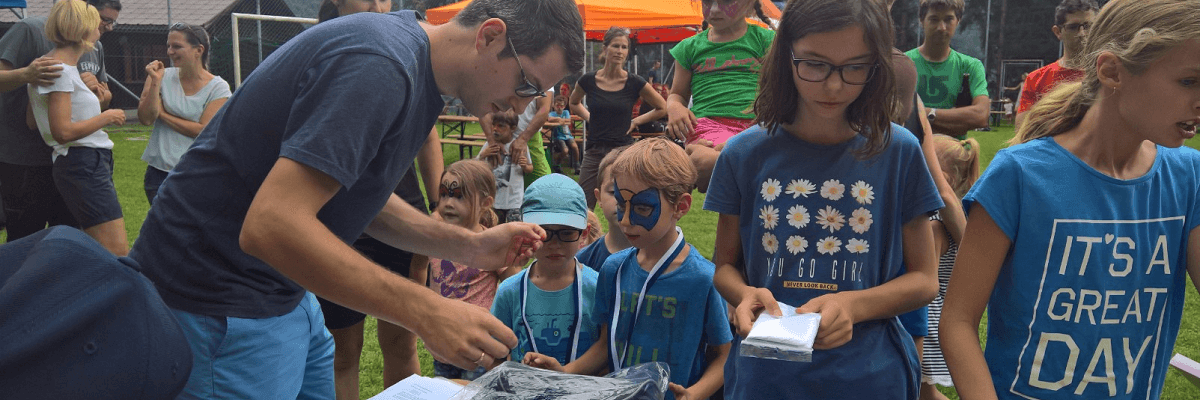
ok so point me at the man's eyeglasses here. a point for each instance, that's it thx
(108, 23)
(818, 71)
(527, 89)
(1077, 27)
(564, 235)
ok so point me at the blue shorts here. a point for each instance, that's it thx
(84, 178)
(449, 371)
(564, 136)
(289, 356)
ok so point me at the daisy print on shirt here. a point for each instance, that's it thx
(816, 241)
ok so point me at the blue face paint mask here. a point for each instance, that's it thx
(644, 206)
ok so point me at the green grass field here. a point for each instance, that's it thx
(700, 226)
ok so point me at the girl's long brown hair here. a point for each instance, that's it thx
(869, 114)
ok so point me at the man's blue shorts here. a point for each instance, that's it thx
(284, 357)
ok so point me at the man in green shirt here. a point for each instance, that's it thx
(940, 72)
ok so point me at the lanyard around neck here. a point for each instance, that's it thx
(659, 267)
(578, 312)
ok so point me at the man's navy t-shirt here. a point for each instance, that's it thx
(353, 98)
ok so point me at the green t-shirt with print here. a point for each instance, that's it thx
(724, 75)
(939, 83)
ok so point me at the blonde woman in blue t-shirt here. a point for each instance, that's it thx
(179, 101)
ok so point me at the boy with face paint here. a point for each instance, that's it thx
(656, 301)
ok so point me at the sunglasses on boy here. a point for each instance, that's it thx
(811, 70)
(567, 235)
(527, 89)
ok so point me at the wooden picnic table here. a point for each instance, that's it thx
(455, 124)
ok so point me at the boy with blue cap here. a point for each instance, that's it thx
(549, 304)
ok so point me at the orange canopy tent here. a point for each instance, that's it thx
(651, 21)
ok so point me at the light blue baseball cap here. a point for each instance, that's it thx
(555, 199)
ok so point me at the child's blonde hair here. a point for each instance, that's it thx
(594, 231)
(1138, 33)
(603, 171)
(660, 164)
(959, 160)
(477, 182)
(71, 22)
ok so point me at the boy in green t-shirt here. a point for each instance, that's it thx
(940, 72)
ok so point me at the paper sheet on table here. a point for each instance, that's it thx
(1189, 367)
(418, 387)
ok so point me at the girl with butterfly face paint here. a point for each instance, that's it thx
(466, 194)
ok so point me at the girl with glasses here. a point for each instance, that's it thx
(825, 207)
(178, 101)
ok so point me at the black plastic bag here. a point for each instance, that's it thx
(513, 380)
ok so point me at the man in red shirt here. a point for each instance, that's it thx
(1072, 19)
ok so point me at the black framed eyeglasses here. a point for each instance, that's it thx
(564, 235)
(108, 22)
(1077, 27)
(527, 89)
(811, 70)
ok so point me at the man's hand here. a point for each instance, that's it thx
(42, 71)
(465, 335)
(91, 82)
(518, 147)
(506, 245)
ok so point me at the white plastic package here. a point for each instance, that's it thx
(788, 338)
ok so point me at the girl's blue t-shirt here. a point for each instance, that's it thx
(1088, 301)
(815, 219)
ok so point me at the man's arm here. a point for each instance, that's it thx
(42, 71)
(432, 163)
(521, 143)
(959, 120)
(281, 228)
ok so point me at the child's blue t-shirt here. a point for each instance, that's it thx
(561, 132)
(814, 219)
(682, 314)
(594, 254)
(1088, 301)
(551, 316)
